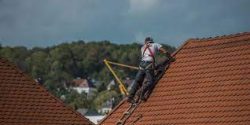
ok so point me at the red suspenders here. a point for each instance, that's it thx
(151, 53)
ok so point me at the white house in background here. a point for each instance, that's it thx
(83, 85)
(106, 107)
(127, 83)
(112, 83)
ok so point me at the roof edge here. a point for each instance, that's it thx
(219, 37)
(13, 66)
(180, 47)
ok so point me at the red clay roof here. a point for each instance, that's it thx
(84, 83)
(209, 83)
(24, 102)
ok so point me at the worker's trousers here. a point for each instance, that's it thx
(145, 70)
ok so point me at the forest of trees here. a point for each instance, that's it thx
(58, 65)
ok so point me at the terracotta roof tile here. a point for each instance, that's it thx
(207, 84)
(24, 102)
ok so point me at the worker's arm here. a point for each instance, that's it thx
(164, 51)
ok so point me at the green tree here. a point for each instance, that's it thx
(77, 100)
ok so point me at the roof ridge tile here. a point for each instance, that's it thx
(220, 37)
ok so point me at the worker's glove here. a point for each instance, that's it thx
(168, 55)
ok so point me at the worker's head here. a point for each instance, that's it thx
(148, 40)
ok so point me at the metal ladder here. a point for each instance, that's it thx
(127, 113)
(131, 108)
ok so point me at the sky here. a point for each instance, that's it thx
(43, 23)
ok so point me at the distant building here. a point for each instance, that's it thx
(128, 81)
(83, 85)
(106, 107)
(111, 84)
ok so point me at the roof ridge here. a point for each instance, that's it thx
(180, 47)
(219, 37)
(29, 78)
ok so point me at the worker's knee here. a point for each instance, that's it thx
(150, 76)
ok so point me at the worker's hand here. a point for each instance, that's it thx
(168, 55)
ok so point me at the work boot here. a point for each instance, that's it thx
(143, 99)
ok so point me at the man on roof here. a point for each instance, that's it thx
(147, 67)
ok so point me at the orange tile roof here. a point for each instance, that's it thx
(209, 83)
(24, 102)
(84, 83)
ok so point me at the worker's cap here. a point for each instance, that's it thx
(149, 39)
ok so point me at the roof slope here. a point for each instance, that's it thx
(207, 84)
(24, 102)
